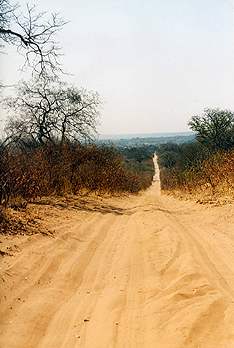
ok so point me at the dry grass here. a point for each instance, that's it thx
(211, 181)
(52, 170)
(19, 222)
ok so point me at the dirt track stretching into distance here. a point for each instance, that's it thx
(138, 271)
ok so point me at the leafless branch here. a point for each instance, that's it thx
(33, 34)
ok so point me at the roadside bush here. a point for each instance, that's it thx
(212, 174)
(206, 164)
(35, 171)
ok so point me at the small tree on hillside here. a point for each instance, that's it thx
(51, 111)
(214, 129)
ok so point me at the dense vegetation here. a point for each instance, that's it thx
(207, 164)
(49, 169)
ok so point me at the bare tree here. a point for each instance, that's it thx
(33, 34)
(47, 110)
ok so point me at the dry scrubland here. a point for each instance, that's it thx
(211, 180)
(28, 174)
(80, 268)
(91, 254)
(94, 256)
(140, 270)
(205, 167)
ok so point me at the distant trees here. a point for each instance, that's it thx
(45, 110)
(138, 153)
(33, 34)
(181, 156)
(214, 129)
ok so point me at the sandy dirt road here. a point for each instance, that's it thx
(140, 271)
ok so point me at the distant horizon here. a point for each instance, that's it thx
(103, 136)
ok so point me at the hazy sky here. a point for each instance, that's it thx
(155, 63)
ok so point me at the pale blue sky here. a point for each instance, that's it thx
(155, 63)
